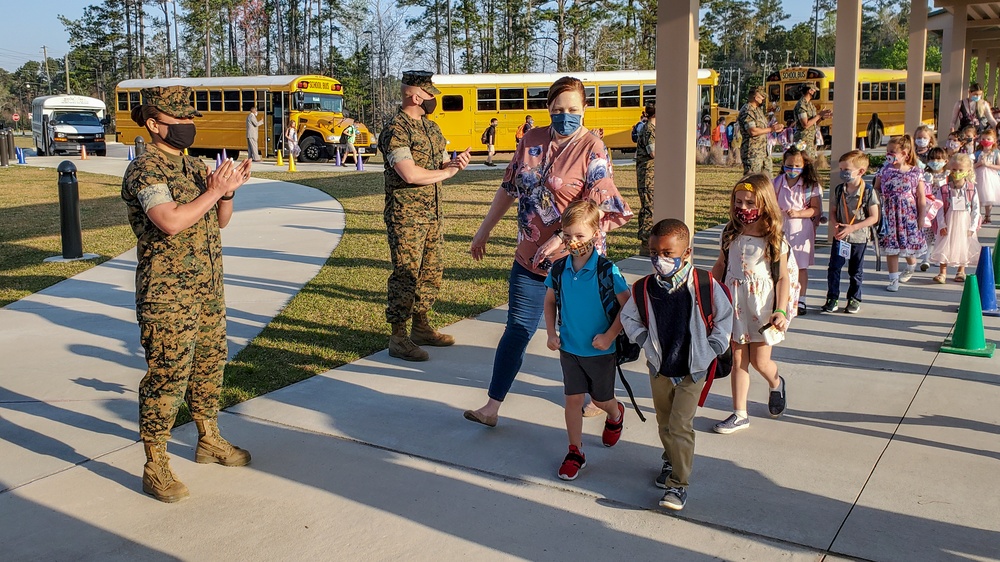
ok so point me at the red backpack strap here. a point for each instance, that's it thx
(641, 297)
(703, 285)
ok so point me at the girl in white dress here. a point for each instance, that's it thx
(752, 244)
(988, 173)
(958, 222)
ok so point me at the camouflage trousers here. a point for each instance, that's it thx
(186, 352)
(416, 269)
(756, 162)
(645, 175)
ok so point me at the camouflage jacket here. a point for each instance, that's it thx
(405, 138)
(185, 267)
(645, 146)
(804, 108)
(752, 118)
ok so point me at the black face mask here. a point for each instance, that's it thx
(429, 105)
(179, 135)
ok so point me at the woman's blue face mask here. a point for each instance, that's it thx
(565, 124)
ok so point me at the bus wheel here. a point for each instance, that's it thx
(313, 150)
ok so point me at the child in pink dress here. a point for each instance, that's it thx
(800, 199)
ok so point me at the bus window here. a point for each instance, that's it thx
(883, 94)
(263, 101)
(591, 92)
(248, 99)
(648, 94)
(511, 98)
(793, 91)
(892, 91)
(452, 103)
(538, 98)
(829, 90)
(332, 103)
(215, 100)
(774, 92)
(865, 92)
(201, 100)
(607, 96)
(630, 95)
(133, 99)
(901, 91)
(231, 101)
(928, 92)
(487, 98)
(123, 101)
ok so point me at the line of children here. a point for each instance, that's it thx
(957, 243)
(855, 211)
(679, 349)
(586, 337)
(800, 198)
(752, 244)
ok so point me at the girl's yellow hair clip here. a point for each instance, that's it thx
(745, 187)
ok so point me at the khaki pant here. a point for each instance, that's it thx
(675, 408)
(416, 269)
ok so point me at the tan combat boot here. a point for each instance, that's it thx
(213, 448)
(402, 347)
(424, 334)
(157, 478)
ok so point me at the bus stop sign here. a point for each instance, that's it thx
(16, 117)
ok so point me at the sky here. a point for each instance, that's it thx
(23, 41)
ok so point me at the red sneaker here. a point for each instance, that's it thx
(613, 430)
(572, 464)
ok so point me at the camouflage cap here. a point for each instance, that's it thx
(420, 79)
(810, 86)
(172, 100)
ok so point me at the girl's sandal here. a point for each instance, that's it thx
(959, 277)
(939, 278)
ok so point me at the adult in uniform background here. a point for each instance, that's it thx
(176, 208)
(644, 153)
(253, 126)
(416, 162)
(752, 122)
(806, 119)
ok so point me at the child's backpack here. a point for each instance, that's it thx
(485, 139)
(625, 350)
(731, 131)
(519, 134)
(704, 287)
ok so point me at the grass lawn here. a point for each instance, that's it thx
(29, 228)
(339, 316)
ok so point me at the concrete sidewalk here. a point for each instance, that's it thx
(888, 450)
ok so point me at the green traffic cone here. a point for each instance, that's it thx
(969, 336)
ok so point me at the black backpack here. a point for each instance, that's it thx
(485, 139)
(635, 132)
(625, 350)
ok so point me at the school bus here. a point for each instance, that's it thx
(882, 92)
(614, 104)
(315, 103)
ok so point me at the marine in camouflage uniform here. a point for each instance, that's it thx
(180, 305)
(804, 109)
(753, 149)
(413, 218)
(644, 150)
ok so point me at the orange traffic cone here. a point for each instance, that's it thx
(280, 161)
(83, 153)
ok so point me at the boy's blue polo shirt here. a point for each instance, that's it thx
(580, 307)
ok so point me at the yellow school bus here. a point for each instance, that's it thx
(315, 103)
(881, 92)
(614, 104)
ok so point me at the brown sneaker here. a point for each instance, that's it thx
(213, 448)
(157, 478)
(423, 334)
(402, 347)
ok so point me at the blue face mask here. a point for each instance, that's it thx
(974, 99)
(565, 124)
(792, 173)
(666, 267)
(846, 175)
(936, 165)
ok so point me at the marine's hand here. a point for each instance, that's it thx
(228, 177)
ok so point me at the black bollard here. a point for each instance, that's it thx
(11, 149)
(69, 212)
(4, 153)
(140, 146)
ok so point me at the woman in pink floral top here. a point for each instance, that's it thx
(553, 166)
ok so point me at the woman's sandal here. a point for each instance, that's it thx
(475, 416)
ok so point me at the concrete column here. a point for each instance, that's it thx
(993, 56)
(915, 65)
(952, 69)
(980, 67)
(848, 54)
(967, 61)
(677, 105)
